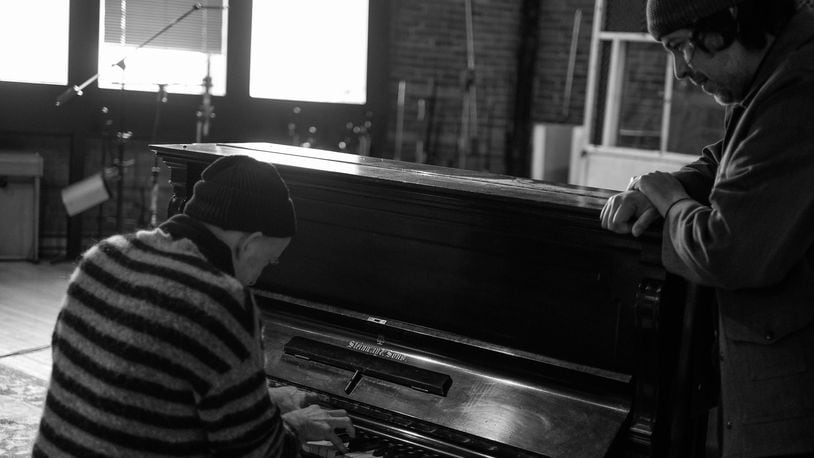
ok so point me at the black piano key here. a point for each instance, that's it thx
(362, 444)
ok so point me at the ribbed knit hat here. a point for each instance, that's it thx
(666, 16)
(240, 193)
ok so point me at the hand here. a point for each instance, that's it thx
(628, 212)
(662, 189)
(289, 398)
(314, 423)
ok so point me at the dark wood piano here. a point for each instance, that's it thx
(460, 313)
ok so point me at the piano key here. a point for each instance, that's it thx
(323, 449)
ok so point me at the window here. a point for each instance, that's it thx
(638, 117)
(33, 45)
(309, 50)
(181, 58)
(638, 104)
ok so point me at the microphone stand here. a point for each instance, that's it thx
(161, 98)
(78, 90)
(122, 136)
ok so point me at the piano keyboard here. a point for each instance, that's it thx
(371, 444)
(389, 434)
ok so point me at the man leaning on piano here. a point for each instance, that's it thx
(157, 349)
(741, 217)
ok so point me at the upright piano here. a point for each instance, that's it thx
(468, 314)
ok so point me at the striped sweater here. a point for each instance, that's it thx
(157, 353)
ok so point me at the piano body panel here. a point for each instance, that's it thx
(450, 255)
(515, 270)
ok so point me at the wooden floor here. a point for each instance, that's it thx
(30, 298)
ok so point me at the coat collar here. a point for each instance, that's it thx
(218, 253)
(797, 33)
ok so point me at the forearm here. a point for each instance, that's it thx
(698, 177)
(732, 250)
(239, 417)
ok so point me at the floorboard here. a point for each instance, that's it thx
(30, 299)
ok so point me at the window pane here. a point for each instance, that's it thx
(180, 58)
(34, 41)
(642, 101)
(696, 119)
(309, 50)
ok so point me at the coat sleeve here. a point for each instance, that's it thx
(760, 218)
(237, 413)
(698, 176)
(240, 419)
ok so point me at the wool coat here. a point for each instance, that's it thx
(157, 352)
(748, 231)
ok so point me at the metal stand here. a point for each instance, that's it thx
(161, 99)
(78, 90)
(206, 112)
(123, 136)
(468, 135)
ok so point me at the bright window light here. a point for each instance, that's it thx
(309, 50)
(34, 41)
(180, 58)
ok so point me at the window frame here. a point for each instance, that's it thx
(613, 94)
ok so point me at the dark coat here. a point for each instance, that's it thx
(750, 234)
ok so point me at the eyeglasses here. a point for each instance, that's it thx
(685, 49)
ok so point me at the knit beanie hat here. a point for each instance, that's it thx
(239, 193)
(666, 16)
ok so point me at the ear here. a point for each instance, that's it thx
(713, 41)
(245, 242)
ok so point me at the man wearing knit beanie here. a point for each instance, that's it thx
(740, 218)
(157, 348)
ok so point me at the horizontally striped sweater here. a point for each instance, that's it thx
(157, 353)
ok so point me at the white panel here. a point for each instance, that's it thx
(551, 151)
(613, 171)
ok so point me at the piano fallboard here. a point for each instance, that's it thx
(537, 413)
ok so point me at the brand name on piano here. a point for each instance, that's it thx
(376, 350)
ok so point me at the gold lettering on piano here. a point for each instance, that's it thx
(376, 350)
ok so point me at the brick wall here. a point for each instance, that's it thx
(428, 45)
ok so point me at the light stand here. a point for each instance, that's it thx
(161, 98)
